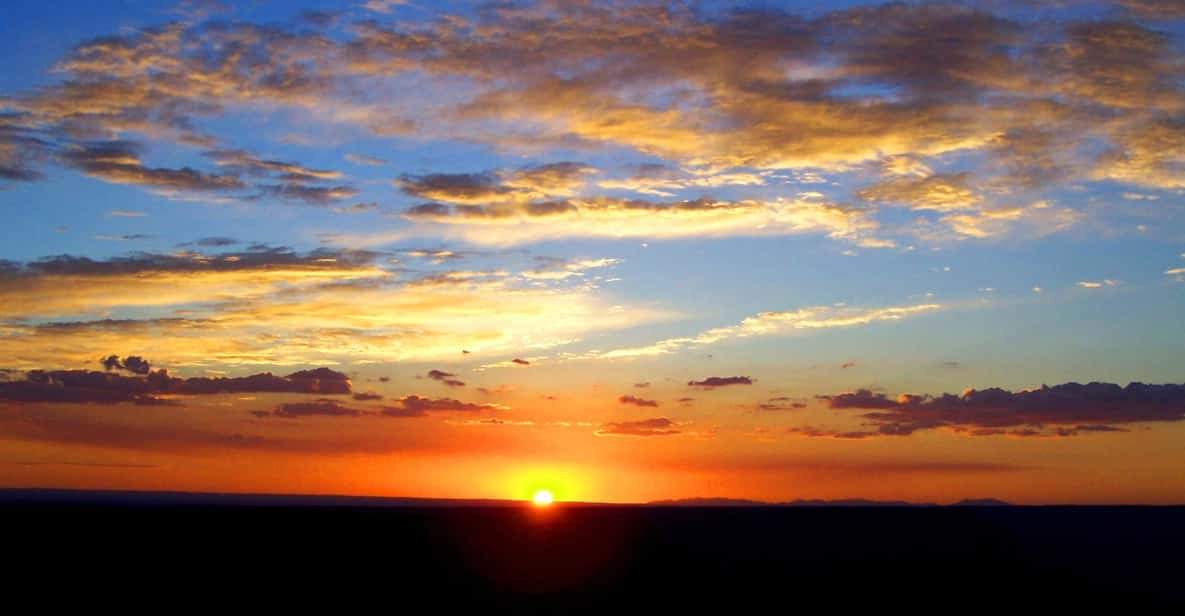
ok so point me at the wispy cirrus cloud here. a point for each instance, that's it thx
(774, 323)
(275, 306)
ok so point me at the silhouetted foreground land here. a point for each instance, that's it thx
(114, 549)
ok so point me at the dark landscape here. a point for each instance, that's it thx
(325, 546)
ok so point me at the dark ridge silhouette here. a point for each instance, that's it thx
(103, 546)
(982, 502)
(813, 502)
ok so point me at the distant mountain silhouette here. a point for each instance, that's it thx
(815, 502)
(981, 502)
(205, 499)
(118, 497)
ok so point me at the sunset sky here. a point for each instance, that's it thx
(619, 251)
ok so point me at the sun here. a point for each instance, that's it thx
(542, 498)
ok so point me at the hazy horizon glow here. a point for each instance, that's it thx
(616, 252)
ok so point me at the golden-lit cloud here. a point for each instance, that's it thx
(772, 324)
(279, 307)
(501, 224)
(721, 99)
(939, 193)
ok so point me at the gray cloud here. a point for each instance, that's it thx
(657, 426)
(1060, 410)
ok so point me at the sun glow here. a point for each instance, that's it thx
(542, 498)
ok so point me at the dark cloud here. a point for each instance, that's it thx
(447, 378)
(1061, 410)
(453, 187)
(247, 163)
(322, 407)
(713, 382)
(21, 148)
(216, 242)
(367, 396)
(642, 385)
(147, 386)
(320, 19)
(781, 404)
(636, 401)
(1160, 9)
(521, 362)
(133, 363)
(416, 406)
(859, 399)
(369, 206)
(535, 183)
(427, 211)
(312, 195)
(814, 432)
(124, 238)
(119, 162)
(657, 426)
(254, 258)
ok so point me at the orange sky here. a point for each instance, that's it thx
(624, 252)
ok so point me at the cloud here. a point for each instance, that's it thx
(382, 6)
(735, 91)
(158, 387)
(657, 426)
(713, 382)
(663, 181)
(323, 407)
(133, 363)
(732, 101)
(312, 195)
(939, 193)
(363, 159)
(514, 222)
(636, 401)
(216, 242)
(126, 214)
(119, 162)
(1163, 9)
(561, 269)
(123, 238)
(66, 284)
(416, 406)
(521, 362)
(1096, 284)
(273, 306)
(507, 187)
(1060, 410)
(367, 396)
(781, 404)
(447, 378)
(245, 162)
(774, 323)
